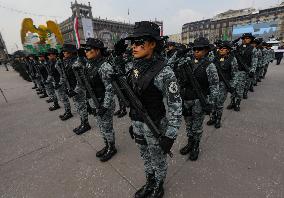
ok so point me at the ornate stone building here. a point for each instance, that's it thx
(107, 30)
(223, 25)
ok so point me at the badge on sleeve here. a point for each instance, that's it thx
(173, 91)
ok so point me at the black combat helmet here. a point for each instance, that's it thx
(52, 51)
(248, 35)
(93, 43)
(145, 29)
(69, 48)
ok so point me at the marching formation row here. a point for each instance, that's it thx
(159, 81)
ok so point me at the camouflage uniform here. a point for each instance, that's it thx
(50, 81)
(97, 72)
(265, 61)
(80, 98)
(194, 114)
(259, 64)
(223, 91)
(244, 79)
(60, 87)
(164, 82)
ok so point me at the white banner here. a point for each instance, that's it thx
(88, 28)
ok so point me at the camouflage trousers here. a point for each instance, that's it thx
(258, 73)
(193, 117)
(155, 161)
(80, 103)
(223, 93)
(105, 123)
(63, 97)
(239, 84)
(265, 69)
(39, 84)
(50, 90)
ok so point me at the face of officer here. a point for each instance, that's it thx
(67, 54)
(143, 48)
(51, 57)
(200, 52)
(92, 53)
(41, 58)
(223, 51)
(247, 40)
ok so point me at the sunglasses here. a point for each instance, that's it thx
(138, 42)
(198, 48)
(224, 48)
(87, 49)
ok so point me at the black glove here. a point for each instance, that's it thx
(232, 90)
(207, 109)
(166, 143)
(71, 93)
(251, 74)
(56, 86)
(131, 133)
(102, 110)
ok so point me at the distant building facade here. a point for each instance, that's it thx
(175, 38)
(227, 25)
(108, 31)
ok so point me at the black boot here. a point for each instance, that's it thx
(218, 120)
(49, 100)
(195, 151)
(158, 191)
(148, 188)
(259, 80)
(34, 87)
(84, 127)
(117, 112)
(251, 88)
(232, 104)
(122, 113)
(44, 95)
(66, 116)
(101, 152)
(212, 119)
(237, 106)
(111, 151)
(39, 92)
(37, 89)
(245, 95)
(54, 107)
(185, 150)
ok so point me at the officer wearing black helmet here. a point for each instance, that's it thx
(98, 73)
(151, 81)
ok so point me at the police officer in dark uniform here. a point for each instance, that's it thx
(227, 67)
(78, 93)
(52, 74)
(205, 73)
(152, 80)
(99, 75)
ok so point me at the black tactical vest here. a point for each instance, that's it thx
(142, 83)
(200, 74)
(95, 79)
(69, 71)
(245, 53)
(224, 66)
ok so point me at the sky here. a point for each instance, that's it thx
(174, 13)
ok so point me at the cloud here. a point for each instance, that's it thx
(174, 23)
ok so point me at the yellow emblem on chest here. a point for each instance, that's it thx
(195, 61)
(222, 59)
(136, 73)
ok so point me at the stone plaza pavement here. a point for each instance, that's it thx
(40, 156)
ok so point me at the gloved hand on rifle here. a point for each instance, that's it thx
(166, 143)
(101, 111)
(71, 93)
(251, 74)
